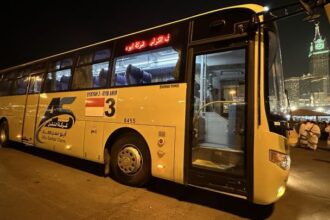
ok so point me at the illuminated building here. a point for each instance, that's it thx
(312, 90)
(292, 86)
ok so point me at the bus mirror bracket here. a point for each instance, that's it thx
(307, 6)
(311, 16)
(327, 11)
(253, 24)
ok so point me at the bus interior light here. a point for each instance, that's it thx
(280, 159)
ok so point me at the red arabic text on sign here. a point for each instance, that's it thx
(153, 42)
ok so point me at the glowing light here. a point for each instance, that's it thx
(159, 40)
(266, 8)
(43, 96)
(137, 45)
(160, 166)
(320, 109)
(232, 92)
(153, 42)
(293, 108)
(280, 191)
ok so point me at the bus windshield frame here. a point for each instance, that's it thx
(276, 102)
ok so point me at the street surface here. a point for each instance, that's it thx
(37, 184)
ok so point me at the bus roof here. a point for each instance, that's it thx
(253, 7)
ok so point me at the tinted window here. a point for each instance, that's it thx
(101, 55)
(58, 81)
(59, 76)
(61, 64)
(66, 63)
(221, 23)
(40, 67)
(19, 86)
(14, 83)
(85, 59)
(4, 87)
(92, 75)
(154, 66)
(35, 84)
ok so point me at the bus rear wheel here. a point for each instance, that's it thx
(130, 160)
(4, 134)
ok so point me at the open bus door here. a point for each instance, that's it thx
(221, 118)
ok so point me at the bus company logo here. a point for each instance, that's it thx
(56, 117)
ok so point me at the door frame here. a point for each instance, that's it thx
(206, 178)
(41, 74)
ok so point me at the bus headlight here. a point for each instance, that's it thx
(280, 159)
(280, 191)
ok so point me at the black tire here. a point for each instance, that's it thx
(4, 134)
(130, 160)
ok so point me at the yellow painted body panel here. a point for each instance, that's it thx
(154, 111)
(268, 177)
(12, 108)
(30, 118)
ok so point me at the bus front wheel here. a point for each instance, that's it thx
(130, 160)
(4, 134)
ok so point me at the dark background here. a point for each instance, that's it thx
(32, 30)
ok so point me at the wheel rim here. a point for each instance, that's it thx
(129, 159)
(3, 136)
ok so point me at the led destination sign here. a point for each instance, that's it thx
(153, 42)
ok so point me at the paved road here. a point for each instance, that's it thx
(36, 184)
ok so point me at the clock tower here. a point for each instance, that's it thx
(319, 55)
(319, 60)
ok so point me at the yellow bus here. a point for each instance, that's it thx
(198, 101)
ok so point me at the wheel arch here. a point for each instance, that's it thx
(120, 132)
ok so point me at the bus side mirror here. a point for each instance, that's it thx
(327, 11)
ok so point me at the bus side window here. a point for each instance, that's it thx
(92, 70)
(50, 82)
(119, 80)
(136, 76)
(100, 74)
(35, 84)
(58, 81)
(102, 78)
(21, 86)
(64, 82)
(154, 66)
(59, 75)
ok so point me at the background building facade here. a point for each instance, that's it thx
(312, 90)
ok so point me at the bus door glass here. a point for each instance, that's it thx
(31, 109)
(219, 113)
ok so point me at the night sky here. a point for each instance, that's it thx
(31, 31)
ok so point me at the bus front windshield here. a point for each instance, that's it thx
(277, 101)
